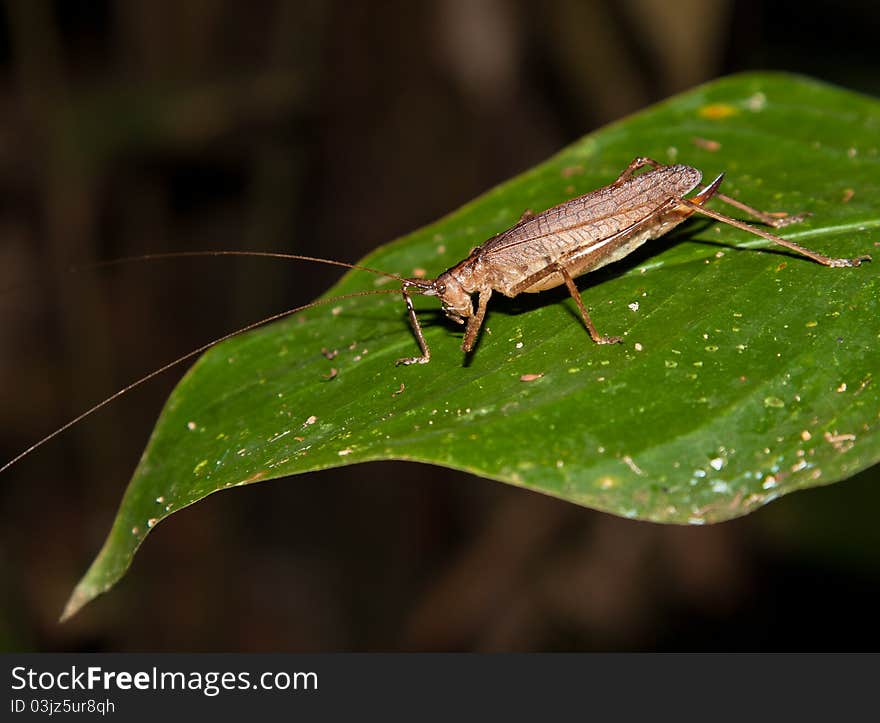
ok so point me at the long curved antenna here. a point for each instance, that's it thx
(183, 358)
(185, 254)
(258, 254)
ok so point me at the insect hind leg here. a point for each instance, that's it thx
(776, 220)
(803, 251)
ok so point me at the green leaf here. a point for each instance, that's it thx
(746, 371)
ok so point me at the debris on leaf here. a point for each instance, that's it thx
(706, 144)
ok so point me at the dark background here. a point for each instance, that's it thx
(329, 127)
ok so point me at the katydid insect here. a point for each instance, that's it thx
(552, 248)
(541, 252)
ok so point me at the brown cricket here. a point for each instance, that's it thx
(554, 247)
(542, 251)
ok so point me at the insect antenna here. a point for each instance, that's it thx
(204, 347)
(79, 268)
(257, 254)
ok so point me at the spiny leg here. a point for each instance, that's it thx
(417, 330)
(817, 257)
(575, 294)
(557, 267)
(776, 220)
(550, 269)
(476, 321)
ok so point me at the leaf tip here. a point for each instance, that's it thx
(77, 600)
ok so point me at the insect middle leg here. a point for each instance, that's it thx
(559, 268)
(575, 294)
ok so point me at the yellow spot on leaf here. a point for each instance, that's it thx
(717, 111)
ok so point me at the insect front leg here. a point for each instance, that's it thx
(476, 321)
(417, 330)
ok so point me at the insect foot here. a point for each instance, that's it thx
(407, 360)
(840, 263)
(789, 219)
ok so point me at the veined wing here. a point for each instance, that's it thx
(603, 212)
